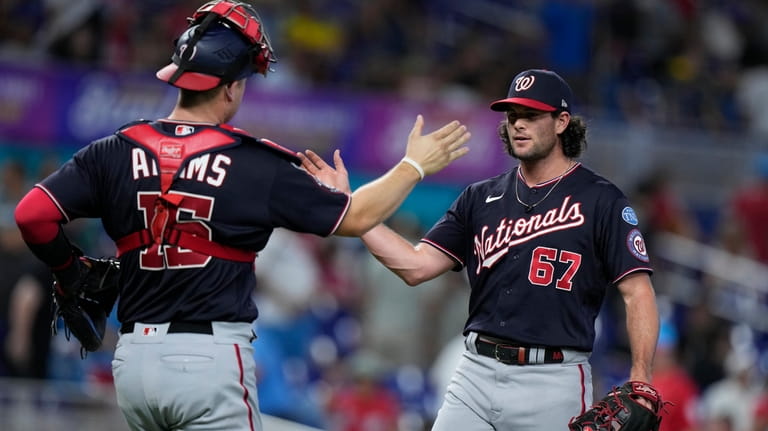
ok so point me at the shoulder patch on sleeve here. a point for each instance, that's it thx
(629, 216)
(636, 245)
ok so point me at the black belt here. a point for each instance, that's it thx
(514, 354)
(177, 327)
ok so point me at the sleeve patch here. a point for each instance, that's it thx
(636, 245)
(629, 216)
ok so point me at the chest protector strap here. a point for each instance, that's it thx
(170, 153)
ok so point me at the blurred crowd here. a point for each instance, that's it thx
(345, 345)
(685, 63)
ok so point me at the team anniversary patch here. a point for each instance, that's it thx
(629, 216)
(636, 245)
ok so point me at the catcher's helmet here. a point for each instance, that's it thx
(225, 42)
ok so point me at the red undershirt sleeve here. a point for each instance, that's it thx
(38, 217)
(39, 221)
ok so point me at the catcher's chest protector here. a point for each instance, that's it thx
(171, 152)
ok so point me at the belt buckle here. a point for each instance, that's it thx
(496, 353)
(519, 360)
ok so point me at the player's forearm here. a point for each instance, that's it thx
(394, 252)
(642, 329)
(376, 201)
(414, 264)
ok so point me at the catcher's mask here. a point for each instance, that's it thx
(225, 42)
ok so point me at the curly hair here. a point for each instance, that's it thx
(573, 138)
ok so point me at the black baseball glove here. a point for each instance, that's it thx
(85, 301)
(620, 410)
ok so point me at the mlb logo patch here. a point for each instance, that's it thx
(149, 331)
(184, 130)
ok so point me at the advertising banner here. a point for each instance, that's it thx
(73, 107)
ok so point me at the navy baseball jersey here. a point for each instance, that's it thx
(232, 195)
(539, 269)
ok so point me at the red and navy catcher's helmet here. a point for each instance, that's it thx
(225, 42)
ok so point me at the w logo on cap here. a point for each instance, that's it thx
(524, 82)
(183, 49)
(537, 89)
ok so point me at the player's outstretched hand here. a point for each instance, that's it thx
(436, 150)
(332, 176)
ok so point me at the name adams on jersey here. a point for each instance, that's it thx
(201, 168)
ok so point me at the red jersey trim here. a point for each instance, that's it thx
(437, 246)
(341, 216)
(38, 217)
(55, 202)
(276, 146)
(647, 269)
(264, 141)
(545, 183)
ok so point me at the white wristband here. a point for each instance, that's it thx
(415, 165)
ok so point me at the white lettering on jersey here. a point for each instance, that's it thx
(489, 248)
(198, 169)
(219, 170)
(142, 166)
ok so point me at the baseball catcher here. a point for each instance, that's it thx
(84, 301)
(620, 410)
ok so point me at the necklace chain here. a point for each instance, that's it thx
(530, 207)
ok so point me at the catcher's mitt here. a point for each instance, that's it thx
(620, 410)
(85, 303)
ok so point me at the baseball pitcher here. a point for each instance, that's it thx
(541, 244)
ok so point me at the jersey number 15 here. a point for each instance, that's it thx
(199, 210)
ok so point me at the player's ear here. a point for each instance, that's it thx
(231, 88)
(561, 121)
(228, 90)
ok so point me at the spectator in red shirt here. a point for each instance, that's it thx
(674, 383)
(749, 211)
(761, 413)
(364, 403)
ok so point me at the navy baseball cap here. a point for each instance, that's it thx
(220, 55)
(538, 89)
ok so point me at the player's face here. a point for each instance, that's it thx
(532, 133)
